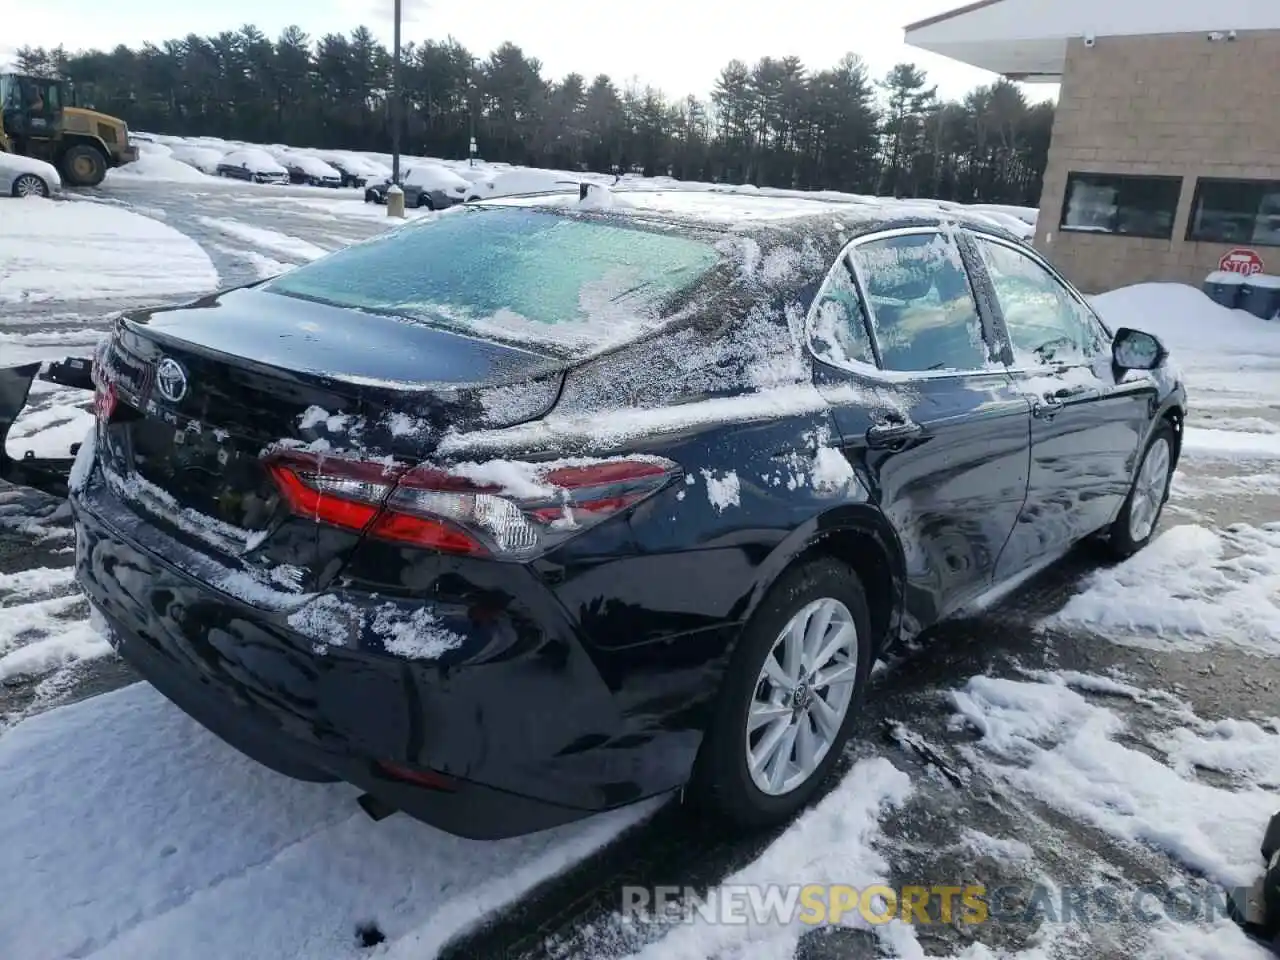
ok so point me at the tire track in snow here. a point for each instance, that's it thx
(294, 248)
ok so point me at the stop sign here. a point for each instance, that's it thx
(1241, 260)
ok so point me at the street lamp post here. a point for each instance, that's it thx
(395, 195)
(471, 113)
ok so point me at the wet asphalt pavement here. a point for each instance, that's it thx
(907, 718)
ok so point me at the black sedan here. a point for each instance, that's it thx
(551, 505)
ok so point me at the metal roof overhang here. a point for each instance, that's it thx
(1026, 60)
(1029, 59)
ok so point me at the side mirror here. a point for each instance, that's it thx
(1136, 350)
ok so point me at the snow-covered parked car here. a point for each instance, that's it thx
(255, 165)
(304, 168)
(425, 185)
(27, 177)
(204, 159)
(356, 171)
(515, 182)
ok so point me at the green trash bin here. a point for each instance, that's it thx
(1260, 295)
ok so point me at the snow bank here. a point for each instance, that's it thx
(1187, 320)
(138, 835)
(157, 162)
(93, 251)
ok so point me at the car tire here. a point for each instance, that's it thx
(723, 782)
(425, 201)
(29, 185)
(1136, 523)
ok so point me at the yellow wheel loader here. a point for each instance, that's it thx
(38, 119)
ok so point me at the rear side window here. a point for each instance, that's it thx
(922, 310)
(514, 273)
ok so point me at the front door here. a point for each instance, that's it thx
(1086, 423)
(944, 446)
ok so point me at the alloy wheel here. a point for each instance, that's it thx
(1149, 490)
(802, 696)
(28, 185)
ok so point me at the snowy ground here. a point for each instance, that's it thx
(1107, 729)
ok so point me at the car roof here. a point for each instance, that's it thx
(759, 214)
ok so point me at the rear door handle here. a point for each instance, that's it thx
(892, 433)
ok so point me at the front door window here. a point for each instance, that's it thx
(1046, 323)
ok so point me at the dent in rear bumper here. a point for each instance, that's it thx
(517, 712)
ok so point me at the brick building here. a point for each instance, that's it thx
(1166, 142)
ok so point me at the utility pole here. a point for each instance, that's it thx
(471, 114)
(395, 195)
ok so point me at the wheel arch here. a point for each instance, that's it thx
(859, 536)
(70, 140)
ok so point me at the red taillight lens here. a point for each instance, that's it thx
(345, 493)
(463, 511)
(104, 400)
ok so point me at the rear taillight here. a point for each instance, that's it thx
(104, 391)
(523, 511)
(104, 400)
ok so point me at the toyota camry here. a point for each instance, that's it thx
(554, 503)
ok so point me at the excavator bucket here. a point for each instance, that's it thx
(49, 474)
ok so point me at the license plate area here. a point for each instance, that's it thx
(197, 469)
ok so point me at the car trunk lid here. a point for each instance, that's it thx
(199, 396)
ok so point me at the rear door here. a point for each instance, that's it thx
(924, 414)
(1086, 423)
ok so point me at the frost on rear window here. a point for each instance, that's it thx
(514, 274)
(922, 307)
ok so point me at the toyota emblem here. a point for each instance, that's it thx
(171, 379)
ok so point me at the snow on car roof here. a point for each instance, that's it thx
(745, 209)
(308, 163)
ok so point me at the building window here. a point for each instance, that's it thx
(1236, 211)
(1116, 203)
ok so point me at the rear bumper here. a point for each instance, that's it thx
(517, 715)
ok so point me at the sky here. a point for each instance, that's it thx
(677, 46)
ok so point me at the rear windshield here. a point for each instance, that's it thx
(512, 273)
